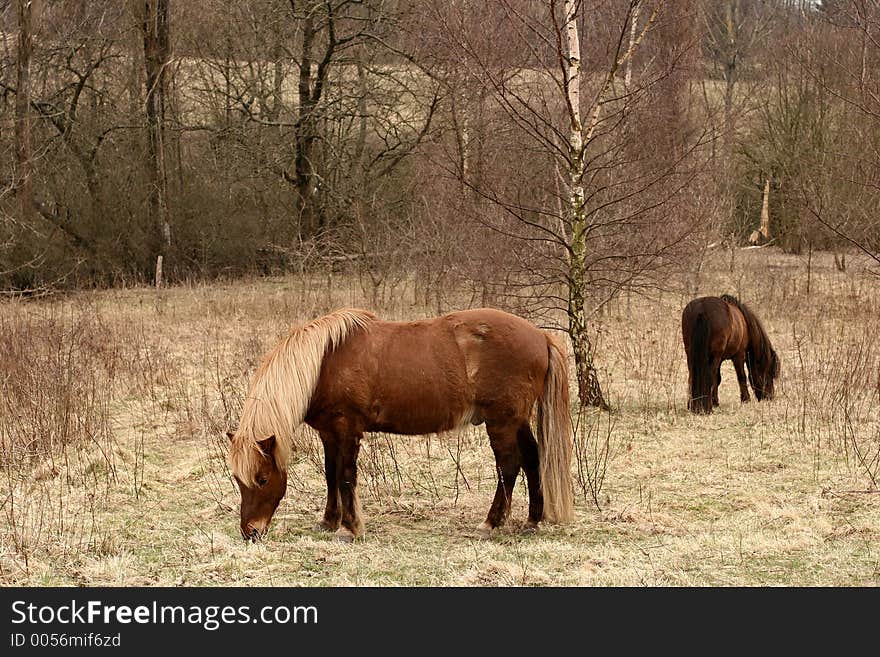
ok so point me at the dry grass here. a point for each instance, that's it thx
(130, 488)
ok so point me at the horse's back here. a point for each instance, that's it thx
(498, 338)
(506, 357)
(726, 325)
(434, 374)
(714, 309)
(705, 305)
(486, 342)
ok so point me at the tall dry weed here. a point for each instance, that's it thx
(57, 456)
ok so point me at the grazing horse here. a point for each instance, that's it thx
(718, 328)
(348, 372)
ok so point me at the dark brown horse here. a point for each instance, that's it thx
(348, 373)
(718, 328)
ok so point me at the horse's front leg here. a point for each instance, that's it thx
(739, 364)
(332, 514)
(346, 476)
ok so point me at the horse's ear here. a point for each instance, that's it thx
(267, 445)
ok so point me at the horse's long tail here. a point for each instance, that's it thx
(698, 363)
(555, 437)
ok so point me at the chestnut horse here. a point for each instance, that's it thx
(718, 328)
(348, 372)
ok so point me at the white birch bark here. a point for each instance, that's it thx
(589, 391)
(765, 211)
(633, 30)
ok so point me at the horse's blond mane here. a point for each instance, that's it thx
(282, 389)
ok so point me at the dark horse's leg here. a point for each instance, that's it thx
(346, 477)
(332, 515)
(503, 439)
(739, 364)
(692, 402)
(528, 449)
(716, 368)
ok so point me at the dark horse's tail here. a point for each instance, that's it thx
(555, 437)
(698, 364)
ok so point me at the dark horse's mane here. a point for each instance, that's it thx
(760, 352)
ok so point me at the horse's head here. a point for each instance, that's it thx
(262, 492)
(764, 375)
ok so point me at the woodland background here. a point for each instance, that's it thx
(426, 136)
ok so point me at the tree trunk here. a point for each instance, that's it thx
(277, 83)
(156, 59)
(765, 212)
(23, 182)
(633, 30)
(461, 125)
(360, 151)
(306, 135)
(589, 390)
(729, 50)
(729, 85)
(730, 73)
(762, 235)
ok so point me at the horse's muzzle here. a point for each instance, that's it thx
(252, 534)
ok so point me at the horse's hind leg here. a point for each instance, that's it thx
(528, 449)
(332, 514)
(716, 367)
(346, 477)
(507, 463)
(691, 405)
(739, 364)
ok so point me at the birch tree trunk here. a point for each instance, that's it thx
(589, 390)
(156, 58)
(762, 235)
(765, 212)
(633, 30)
(461, 125)
(23, 183)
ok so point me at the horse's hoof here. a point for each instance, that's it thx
(484, 531)
(528, 528)
(344, 536)
(323, 527)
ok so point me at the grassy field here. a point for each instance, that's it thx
(112, 469)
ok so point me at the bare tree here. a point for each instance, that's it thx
(157, 55)
(582, 160)
(840, 188)
(400, 141)
(576, 213)
(734, 31)
(23, 150)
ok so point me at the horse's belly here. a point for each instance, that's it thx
(418, 410)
